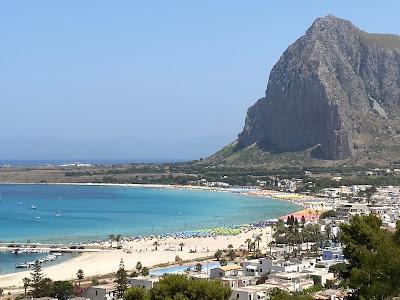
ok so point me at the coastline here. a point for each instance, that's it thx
(142, 249)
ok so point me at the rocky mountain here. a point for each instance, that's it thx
(335, 90)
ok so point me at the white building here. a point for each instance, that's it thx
(143, 282)
(101, 292)
(266, 265)
(225, 271)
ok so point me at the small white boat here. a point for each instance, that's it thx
(33, 206)
(20, 203)
(58, 215)
(37, 217)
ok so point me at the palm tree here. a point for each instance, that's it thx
(181, 245)
(270, 247)
(248, 242)
(257, 239)
(218, 254)
(26, 281)
(139, 266)
(156, 244)
(80, 276)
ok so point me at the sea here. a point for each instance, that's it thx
(80, 213)
(59, 162)
(59, 213)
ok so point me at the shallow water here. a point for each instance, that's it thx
(8, 261)
(87, 213)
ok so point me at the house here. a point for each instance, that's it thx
(346, 211)
(334, 254)
(143, 282)
(225, 271)
(237, 282)
(267, 265)
(256, 292)
(101, 292)
(290, 281)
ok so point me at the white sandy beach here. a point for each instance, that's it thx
(100, 263)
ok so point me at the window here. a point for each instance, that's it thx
(260, 270)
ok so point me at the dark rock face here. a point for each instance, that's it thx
(328, 88)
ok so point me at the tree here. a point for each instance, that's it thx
(258, 239)
(279, 229)
(278, 294)
(327, 214)
(218, 254)
(341, 270)
(37, 280)
(231, 252)
(223, 262)
(80, 276)
(121, 280)
(26, 282)
(328, 231)
(303, 221)
(139, 266)
(248, 242)
(145, 271)
(46, 287)
(62, 290)
(136, 293)
(180, 287)
(181, 245)
(198, 267)
(156, 244)
(374, 258)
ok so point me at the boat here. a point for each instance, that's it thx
(20, 203)
(33, 206)
(180, 213)
(58, 215)
(37, 217)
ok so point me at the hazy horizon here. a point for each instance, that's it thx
(139, 81)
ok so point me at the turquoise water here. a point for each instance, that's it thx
(206, 267)
(8, 261)
(87, 213)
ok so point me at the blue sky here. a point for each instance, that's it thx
(146, 80)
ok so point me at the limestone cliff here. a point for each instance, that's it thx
(337, 88)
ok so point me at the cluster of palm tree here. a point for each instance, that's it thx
(253, 245)
(295, 233)
(140, 270)
(229, 253)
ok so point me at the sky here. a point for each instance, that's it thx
(163, 80)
